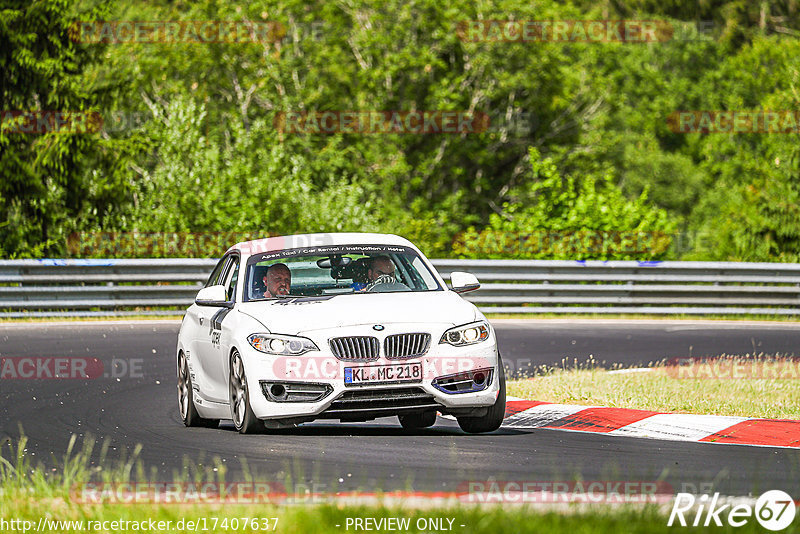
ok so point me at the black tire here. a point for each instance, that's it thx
(242, 414)
(186, 405)
(492, 420)
(418, 420)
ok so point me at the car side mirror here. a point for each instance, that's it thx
(212, 296)
(463, 282)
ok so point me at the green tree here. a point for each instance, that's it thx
(52, 183)
(555, 217)
(751, 211)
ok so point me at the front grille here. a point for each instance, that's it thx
(355, 348)
(379, 403)
(400, 346)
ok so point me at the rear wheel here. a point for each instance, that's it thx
(242, 414)
(188, 411)
(418, 420)
(492, 420)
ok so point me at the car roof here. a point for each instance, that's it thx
(270, 244)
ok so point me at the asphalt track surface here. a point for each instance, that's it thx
(140, 407)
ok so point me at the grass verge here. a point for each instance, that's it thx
(758, 387)
(35, 499)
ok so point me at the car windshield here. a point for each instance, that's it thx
(337, 270)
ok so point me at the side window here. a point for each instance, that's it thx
(212, 280)
(232, 277)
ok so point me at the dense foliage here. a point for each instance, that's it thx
(578, 161)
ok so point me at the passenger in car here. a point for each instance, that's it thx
(358, 271)
(277, 280)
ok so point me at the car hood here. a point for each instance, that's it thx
(305, 314)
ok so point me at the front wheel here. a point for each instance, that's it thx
(188, 411)
(242, 414)
(492, 420)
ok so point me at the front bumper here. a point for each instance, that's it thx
(321, 371)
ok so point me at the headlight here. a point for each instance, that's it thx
(467, 334)
(281, 345)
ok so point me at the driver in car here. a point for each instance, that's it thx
(277, 280)
(381, 276)
(380, 266)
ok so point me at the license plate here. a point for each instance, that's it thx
(382, 374)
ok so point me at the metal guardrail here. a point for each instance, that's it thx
(31, 288)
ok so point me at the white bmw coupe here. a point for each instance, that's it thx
(336, 326)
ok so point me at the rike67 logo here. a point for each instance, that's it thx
(774, 510)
